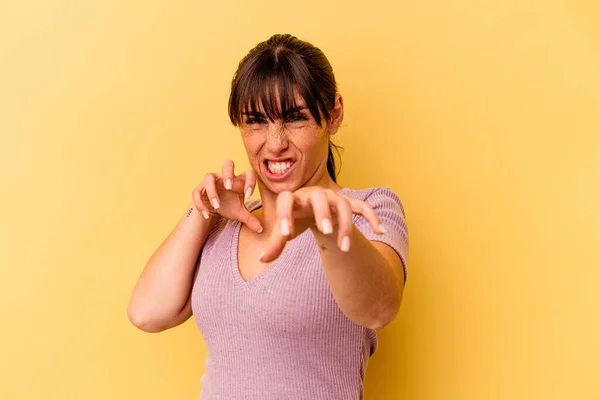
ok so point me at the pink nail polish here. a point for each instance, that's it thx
(346, 244)
(285, 227)
(326, 224)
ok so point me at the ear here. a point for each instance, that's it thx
(337, 115)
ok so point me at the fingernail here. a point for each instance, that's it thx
(204, 214)
(215, 203)
(346, 244)
(326, 224)
(285, 227)
(260, 230)
(228, 184)
(261, 256)
(382, 228)
(248, 192)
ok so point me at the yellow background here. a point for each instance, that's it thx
(484, 116)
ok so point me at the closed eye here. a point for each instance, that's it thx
(253, 120)
(295, 117)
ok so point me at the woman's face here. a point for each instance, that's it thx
(290, 152)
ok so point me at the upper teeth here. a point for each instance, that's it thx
(279, 167)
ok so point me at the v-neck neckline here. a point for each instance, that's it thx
(234, 251)
(234, 260)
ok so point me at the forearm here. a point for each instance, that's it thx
(364, 284)
(165, 283)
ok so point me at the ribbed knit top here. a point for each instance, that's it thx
(281, 335)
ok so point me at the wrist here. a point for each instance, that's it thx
(212, 216)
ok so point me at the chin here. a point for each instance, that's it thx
(278, 187)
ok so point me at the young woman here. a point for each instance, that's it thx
(287, 290)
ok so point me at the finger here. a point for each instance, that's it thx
(197, 199)
(283, 229)
(211, 190)
(275, 246)
(273, 250)
(251, 221)
(284, 208)
(365, 209)
(249, 182)
(343, 214)
(321, 211)
(244, 183)
(228, 168)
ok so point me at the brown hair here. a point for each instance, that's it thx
(285, 64)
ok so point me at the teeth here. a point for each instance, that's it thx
(279, 167)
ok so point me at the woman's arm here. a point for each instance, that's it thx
(363, 261)
(367, 281)
(162, 296)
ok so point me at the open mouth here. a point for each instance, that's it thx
(278, 170)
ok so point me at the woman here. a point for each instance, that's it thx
(287, 290)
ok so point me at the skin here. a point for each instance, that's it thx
(366, 277)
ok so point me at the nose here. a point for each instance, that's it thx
(277, 136)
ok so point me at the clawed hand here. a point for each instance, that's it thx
(324, 211)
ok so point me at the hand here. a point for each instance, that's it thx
(223, 195)
(321, 210)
